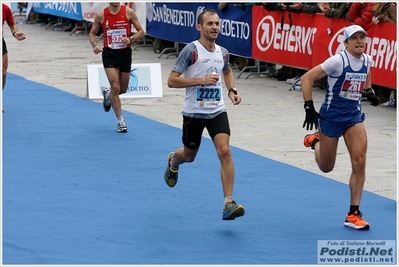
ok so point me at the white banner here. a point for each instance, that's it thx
(90, 9)
(145, 81)
(140, 8)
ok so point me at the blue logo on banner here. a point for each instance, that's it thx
(70, 10)
(133, 81)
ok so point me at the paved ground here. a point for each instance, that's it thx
(268, 122)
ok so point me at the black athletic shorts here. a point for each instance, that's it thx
(4, 47)
(117, 58)
(193, 128)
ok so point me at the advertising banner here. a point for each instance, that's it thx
(145, 81)
(177, 22)
(69, 10)
(90, 9)
(306, 40)
(235, 29)
(173, 21)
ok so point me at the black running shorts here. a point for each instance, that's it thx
(4, 47)
(194, 127)
(117, 58)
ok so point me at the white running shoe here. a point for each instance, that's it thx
(122, 128)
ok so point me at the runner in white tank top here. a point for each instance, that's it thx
(201, 68)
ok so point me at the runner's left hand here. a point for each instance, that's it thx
(373, 99)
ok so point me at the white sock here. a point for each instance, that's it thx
(172, 166)
(226, 199)
(108, 95)
(120, 118)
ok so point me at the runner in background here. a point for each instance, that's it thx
(7, 16)
(116, 21)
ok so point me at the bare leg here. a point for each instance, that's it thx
(5, 67)
(221, 142)
(356, 141)
(326, 152)
(113, 76)
(183, 155)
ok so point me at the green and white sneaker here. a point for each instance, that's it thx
(232, 210)
(171, 175)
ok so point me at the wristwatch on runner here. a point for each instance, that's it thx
(234, 90)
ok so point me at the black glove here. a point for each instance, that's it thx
(372, 97)
(311, 116)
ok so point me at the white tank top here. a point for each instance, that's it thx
(204, 99)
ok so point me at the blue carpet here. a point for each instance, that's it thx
(77, 192)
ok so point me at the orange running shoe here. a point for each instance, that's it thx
(311, 139)
(356, 221)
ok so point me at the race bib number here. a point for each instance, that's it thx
(115, 38)
(208, 97)
(353, 86)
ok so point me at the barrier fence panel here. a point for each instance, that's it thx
(236, 29)
(69, 10)
(177, 22)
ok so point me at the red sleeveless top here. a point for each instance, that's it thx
(116, 27)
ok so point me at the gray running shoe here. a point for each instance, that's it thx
(106, 102)
(171, 175)
(122, 127)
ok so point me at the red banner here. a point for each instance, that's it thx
(306, 40)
